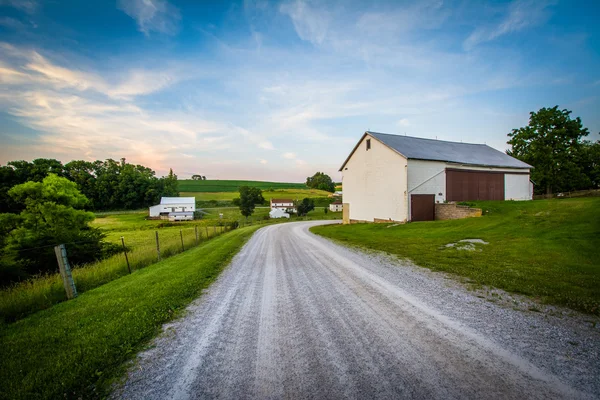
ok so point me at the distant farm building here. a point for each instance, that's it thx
(401, 178)
(336, 206)
(174, 208)
(283, 204)
(278, 213)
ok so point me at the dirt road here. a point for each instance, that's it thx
(296, 316)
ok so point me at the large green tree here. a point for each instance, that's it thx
(249, 198)
(305, 206)
(53, 214)
(552, 144)
(320, 181)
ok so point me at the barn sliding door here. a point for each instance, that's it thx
(465, 185)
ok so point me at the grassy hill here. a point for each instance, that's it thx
(548, 249)
(188, 185)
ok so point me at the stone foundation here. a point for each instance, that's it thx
(444, 211)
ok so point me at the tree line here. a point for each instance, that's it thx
(108, 185)
(553, 143)
(44, 203)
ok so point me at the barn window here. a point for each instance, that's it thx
(368, 144)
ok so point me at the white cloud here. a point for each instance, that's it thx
(300, 162)
(289, 156)
(403, 122)
(263, 161)
(311, 24)
(265, 144)
(28, 6)
(521, 14)
(152, 15)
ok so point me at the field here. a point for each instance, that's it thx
(188, 185)
(547, 249)
(294, 194)
(74, 349)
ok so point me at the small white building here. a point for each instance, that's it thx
(278, 213)
(283, 204)
(181, 216)
(336, 206)
(169, 205)
(401, 178)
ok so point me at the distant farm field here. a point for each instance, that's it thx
(188, 185)
(294, 194)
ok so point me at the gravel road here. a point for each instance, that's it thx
(296, 316)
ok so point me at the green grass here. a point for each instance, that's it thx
(188, 185)
(43, 292)
(75, 349)
(548, 249)
(294, 194)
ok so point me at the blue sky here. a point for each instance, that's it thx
(279, 90)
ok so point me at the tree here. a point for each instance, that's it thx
(590, 162)
(321, 181)
(53, 214)
(249, 198)
(197, 177)
(551, 143)
(305, 206)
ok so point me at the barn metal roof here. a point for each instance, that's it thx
(177, 200)
(441, 150)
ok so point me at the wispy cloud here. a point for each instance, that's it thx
(521, 14)
(27, 6)
(310, 23)
(152, 15)
(289, 156)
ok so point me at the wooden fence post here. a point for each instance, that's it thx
(181, 235)
(196, 230)
(65, 270)
(125, 252)
(157, 247)
(206, 227)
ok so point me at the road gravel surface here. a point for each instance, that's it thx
(296, 316)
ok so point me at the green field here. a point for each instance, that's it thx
(547, 249)
(188, 185)
(76, 348)
(294, 194)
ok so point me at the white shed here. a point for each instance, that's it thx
(172, 205)
(401, 178)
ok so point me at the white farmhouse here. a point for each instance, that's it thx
(401, 178)
(283, 204)
(174, 208)
(336, 206)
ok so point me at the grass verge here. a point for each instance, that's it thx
(76, 348)
(548, 249)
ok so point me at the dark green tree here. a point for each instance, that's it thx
(590, 162)
(249, 198)
(551, 143)
(305, 206)
(53, 214)
(320, 181)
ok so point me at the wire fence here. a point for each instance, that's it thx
(141, 248)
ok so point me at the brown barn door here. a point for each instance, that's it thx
(422, 207)
(467, 185)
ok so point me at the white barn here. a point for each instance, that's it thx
(173, 206)
(401, 178)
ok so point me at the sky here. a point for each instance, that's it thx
(280, 90)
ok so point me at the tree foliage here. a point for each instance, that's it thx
(198, 177)
(109, 185)
(320, 181)
(249, 198)
(552, 144)
(52, 214)
(305, 206)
